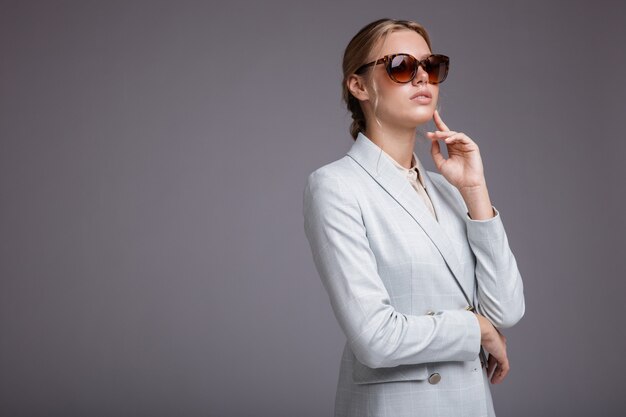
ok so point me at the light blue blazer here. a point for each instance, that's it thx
(395, 275)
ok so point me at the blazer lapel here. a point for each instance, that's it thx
(369, 156)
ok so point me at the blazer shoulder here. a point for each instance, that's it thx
(333, 184)
(342, 169)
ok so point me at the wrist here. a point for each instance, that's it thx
(478, 203)
(471, 189)
(472, 194)
(486, 328)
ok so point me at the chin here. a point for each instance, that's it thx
(423, 117)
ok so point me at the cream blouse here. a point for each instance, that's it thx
(415, 178)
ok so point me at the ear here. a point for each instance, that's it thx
(357, 87)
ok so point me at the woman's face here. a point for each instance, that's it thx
(399, 104)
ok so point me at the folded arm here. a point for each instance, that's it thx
(500, 290)
(378, 335)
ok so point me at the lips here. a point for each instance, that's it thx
(423, 93)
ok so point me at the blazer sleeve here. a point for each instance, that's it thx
(499, 289)
(378, 335)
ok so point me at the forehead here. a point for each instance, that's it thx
(402, 41)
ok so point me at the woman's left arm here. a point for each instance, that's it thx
(500, 290)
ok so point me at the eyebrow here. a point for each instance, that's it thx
(418, 57)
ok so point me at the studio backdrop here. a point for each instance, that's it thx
(153, 156)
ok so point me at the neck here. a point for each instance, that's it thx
(398, 143)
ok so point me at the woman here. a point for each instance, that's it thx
(416, 263)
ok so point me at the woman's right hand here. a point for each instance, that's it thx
(494, 342)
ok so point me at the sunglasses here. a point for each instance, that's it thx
(402, 68)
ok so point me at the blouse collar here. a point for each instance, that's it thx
(411, 172)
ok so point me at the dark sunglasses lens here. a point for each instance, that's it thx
(402, 68)
(437, 68)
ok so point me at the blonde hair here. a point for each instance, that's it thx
(358, 53)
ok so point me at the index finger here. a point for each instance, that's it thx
(439, 123)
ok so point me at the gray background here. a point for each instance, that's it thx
(152, 161)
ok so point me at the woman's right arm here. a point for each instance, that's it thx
(378, 335)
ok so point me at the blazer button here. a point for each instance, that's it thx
(434, 378)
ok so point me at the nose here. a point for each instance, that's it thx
(420, 76)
